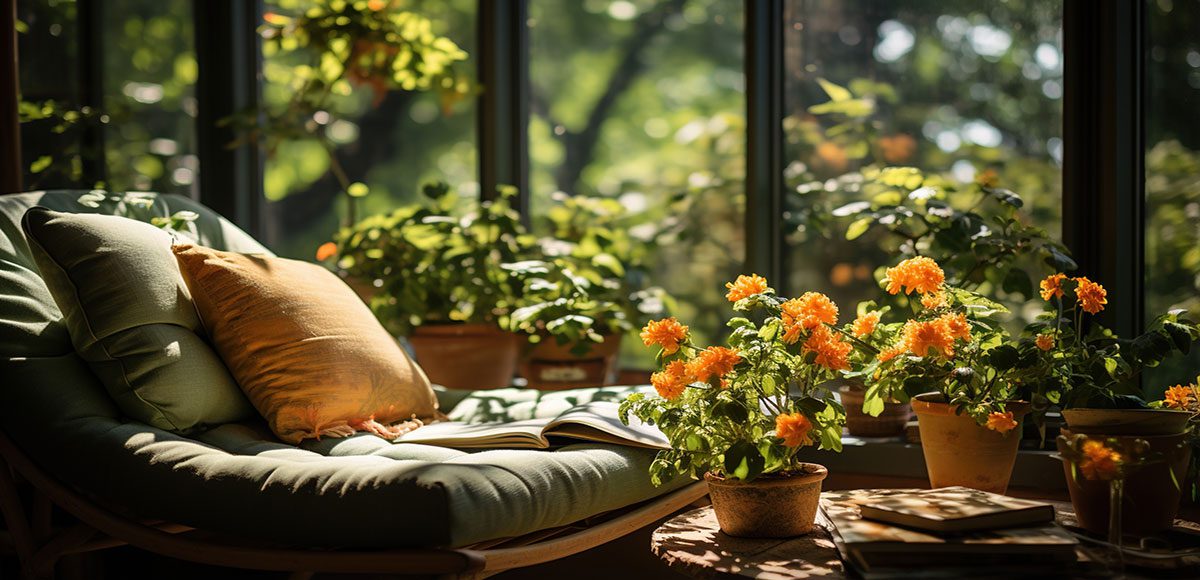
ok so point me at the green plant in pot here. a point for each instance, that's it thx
(738, 415)
(574, 329)
(435, 270)
(1088, 371)
(587, 290)
(953, 361)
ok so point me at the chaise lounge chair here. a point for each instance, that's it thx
(233, 495)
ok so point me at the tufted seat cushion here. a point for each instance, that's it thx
(236, 478)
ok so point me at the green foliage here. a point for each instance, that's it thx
(726, 423)
(141, 207)
(565, 304)
(439, 260)
(334, 46)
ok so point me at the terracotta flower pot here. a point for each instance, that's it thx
(889, 423)
(467, 356)
(550, 366)
(1126, 421)
(959, 451)
(771, 506)
(1151, 495)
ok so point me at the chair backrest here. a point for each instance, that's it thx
(30, 322)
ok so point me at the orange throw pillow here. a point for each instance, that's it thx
(304, 348)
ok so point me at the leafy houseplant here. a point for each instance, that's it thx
(435, 268)
(574, 330)
(737, 415)
(586, 289)
(951, 359)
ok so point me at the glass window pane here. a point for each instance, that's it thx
(49, 88)
(1172, 275)
(147, 80)
(644, 102)
(950, 88)
(390, 140)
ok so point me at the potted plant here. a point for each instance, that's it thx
(435, 268)
(586, 290)
(952, 361)
(737, 415)
(574, 331)
(1089, 371)
(1131, 483)
(879, 416)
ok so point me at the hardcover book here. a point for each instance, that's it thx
(957, 510)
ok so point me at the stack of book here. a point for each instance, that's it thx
(953, 532)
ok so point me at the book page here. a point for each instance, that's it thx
(599, 421)
(516, 434)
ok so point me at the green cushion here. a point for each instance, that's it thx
(131, 318)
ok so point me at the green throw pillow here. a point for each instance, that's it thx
(131, 318)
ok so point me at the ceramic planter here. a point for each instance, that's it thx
(1152, 492)
(1126, 421)
(550, 366)
(959, 451)
(771, 506)
(467, 356)
(889, 423)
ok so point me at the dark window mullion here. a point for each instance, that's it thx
(229, 60)
(764, 139)
(502, 57)
(10, 127)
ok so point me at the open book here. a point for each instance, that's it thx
(595, 421)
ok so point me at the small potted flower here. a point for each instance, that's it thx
(1089, 371)
(737, 415)
(951, 359)
(431, 272)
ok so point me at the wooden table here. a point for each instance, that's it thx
(693, 544)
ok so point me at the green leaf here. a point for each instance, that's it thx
(1181, 335)
(358, 189)
(40, 164)
(835, 92)
(858, 227)
(743, 461)
(1110, 365)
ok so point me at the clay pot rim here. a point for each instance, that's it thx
(923, 405)
(440, 329)
(1067, 432)
(819, 473)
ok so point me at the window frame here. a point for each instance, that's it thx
(1103, 127)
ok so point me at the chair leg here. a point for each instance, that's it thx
(15, 520)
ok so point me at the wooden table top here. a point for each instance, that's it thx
(693, 544)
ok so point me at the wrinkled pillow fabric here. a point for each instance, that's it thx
(304, 348)
(130, 316)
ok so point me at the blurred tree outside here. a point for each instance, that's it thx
(644, 102)
(1172, 166)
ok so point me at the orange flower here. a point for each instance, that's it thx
(987, 178)
(1180, 397)
(1001, 422)
(1052, 286)
(714, 361)
(897, 148)
(832, 351)
(794, 429)
(672, 380)
(865, 324)
(1099, 461)
(920, 337)
(1045, 341)
(934, 300)
(833, 155)
(809, 311)
(745, 286)
(891, 353)
(920, 273)
(667, 333)
(326, 251)
(957, 326)
(1092, 296)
